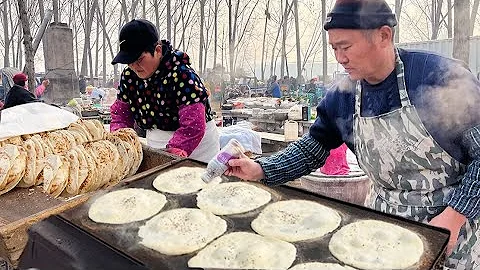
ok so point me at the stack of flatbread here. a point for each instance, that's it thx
(81, 158)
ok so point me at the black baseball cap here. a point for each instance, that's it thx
(360, 14)
(136, 37)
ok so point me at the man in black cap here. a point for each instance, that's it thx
(412, 119)
(161, 93)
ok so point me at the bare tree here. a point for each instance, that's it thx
(449, 23)
(398, 11)
(297, 42)
(27, 41)
(324, 45)
(461, 44)
(473, 16)
(215, 39)
(267, 17)
(202, 41)
(169, 19)
(239, 18)
(6, 35)
(56, 14)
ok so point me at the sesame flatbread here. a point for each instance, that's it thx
(181, 231)
(232, 198)
(296, 220)
(244, 250)
(372, 244)
(126, 205)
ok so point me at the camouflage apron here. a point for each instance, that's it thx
(411, 173)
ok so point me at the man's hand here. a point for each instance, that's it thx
(452, 221)
(246, 169)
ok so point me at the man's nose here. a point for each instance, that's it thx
(341, 57)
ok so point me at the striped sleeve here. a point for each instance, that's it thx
(299, 158)
(465, 199)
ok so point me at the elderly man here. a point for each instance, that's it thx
(412, 119)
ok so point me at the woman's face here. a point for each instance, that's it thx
(147, 63)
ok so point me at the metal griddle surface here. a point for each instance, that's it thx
(124, 237)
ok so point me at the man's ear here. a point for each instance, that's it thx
(386, 34)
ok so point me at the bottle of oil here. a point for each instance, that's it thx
(219, 164)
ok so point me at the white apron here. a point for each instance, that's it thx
(205, 151)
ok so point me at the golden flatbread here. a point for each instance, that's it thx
(30, 176)
(81, 129)
(16, 172)
(55, 175)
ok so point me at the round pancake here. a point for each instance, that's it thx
(126, 205)
(296, 220)
(372, 244)
(232, 198)
(181, 231)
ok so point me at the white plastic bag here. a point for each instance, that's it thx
(249, 139)
(33, 118)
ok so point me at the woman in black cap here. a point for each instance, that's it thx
(412, 119)
(160, 91)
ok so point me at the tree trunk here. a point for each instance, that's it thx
(104, 42)
(461, 44)
(267, 17)
(169, 19)
(157, 15)
(398, 11)
(97, 49)
(27, 41)
(20, 52)
(56, 14)
(449, 19)
(144, 9)
(473, 16)
(298, 44)
(6, 36)
(77, 59)
(324, 46)
(202, 40)
(107, 37)
(284, 37)
(124, 11)
(231, 41)
(41, 30)
(41, 8)
(215, 26)
(86, 48)
(134, 9)
(436, 17)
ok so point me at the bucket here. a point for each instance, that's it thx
(353, 188)
(290, 129)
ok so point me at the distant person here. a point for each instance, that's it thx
(19, 93)
(274, 88)
(41, 88)
(82, 84)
